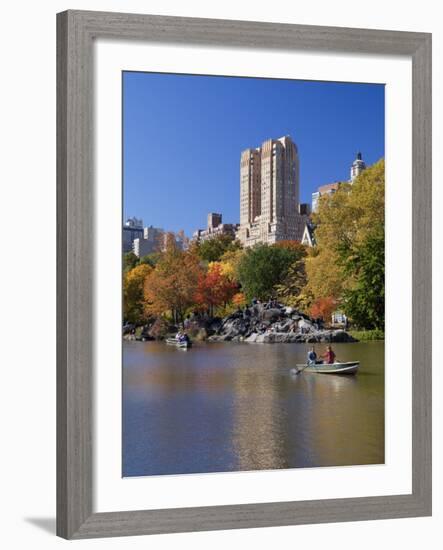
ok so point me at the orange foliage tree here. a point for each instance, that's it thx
(239, 299)
(214, 288)
(293, 245)
(323, 308)
(170, 287)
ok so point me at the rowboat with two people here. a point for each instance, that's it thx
(181, 341)
(327, 365)
(350, 367)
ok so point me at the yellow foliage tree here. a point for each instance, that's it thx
(344, 222)
(133, 287)
(229, 263)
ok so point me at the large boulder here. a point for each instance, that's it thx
(341, 336)
(284, 326)
(272, 314)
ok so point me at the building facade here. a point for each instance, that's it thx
(142, 247)
(154, 235)
(151, 240)
(132, 229)
(328, 189)
(215, 227)
(357, 168)
(269, 193)
(154, 239)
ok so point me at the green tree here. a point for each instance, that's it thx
(262, 268)
(289, 291)
(151, 259)
(211, 250)
(130, 260)
(364, 301)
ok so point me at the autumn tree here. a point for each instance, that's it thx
(239, 299)
(229, 263)
(170, 287)
(133, 293)
(347, 265)
(324, 273)
(293, 245)
(323, 308)
(214, 289)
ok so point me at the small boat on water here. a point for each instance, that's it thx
(350, 367)
(185, 344)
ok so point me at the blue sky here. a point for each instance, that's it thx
(183, 135)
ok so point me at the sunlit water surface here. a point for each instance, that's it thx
(229, 407)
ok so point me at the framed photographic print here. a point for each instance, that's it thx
(244, 259)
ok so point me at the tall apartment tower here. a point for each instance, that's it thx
(250, 186)
(269, 193)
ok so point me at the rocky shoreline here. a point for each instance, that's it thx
(279, 324)
(256, 324)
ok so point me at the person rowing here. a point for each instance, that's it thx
(311, 357)
(181, 336)
(329, 356)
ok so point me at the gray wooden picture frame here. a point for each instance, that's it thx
(76, 32)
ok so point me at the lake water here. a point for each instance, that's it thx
(228, 407)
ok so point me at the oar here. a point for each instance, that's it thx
(298, 371)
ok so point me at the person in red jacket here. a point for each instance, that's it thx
(329, 356)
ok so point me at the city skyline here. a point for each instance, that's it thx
(250, 206)
(183, 132)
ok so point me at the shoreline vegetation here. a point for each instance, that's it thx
(284, 292)
(367, 335)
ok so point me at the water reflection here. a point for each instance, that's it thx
(228, 407)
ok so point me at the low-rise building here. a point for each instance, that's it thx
(215, 228)
(156, 239)
(357, 167)
(328, 189)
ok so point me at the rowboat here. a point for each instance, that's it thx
(181, 345)
(350, 367)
